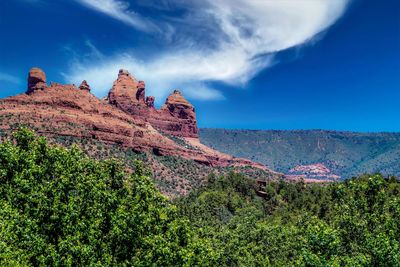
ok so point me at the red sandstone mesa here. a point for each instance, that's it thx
(126, 117)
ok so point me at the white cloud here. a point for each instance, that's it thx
(119, 10)
(161, 76)
(202, 92)
(244, 36)
(9, 78)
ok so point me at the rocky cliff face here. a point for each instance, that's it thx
(128, 94)
(126, 117)
(176, 117)
(180, 115)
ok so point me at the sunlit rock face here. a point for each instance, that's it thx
(127, 118)
(36, 80)
(176, 117)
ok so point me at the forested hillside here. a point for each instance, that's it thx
(345, 153)
(352, 223)
(58, 207)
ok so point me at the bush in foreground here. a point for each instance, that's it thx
(58, 207)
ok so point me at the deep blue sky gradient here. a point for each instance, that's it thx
(347, 80)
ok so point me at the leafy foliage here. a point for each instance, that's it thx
(354, 223)
(58, 207)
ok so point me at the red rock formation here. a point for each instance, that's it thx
(150, 101)
(176, 117)
(65, 110)
(124, 92)
(140, 91)
(36, 80)
(84, 86)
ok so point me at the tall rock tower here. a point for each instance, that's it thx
(176, 117)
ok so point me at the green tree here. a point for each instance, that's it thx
(59, 207)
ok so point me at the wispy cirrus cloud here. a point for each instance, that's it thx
(120, 10)
(228, 41)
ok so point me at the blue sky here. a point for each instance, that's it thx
(290, 64)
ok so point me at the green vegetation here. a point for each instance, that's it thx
(192, 174)
(178, 140)
(58, 207)
(354, 223)
(345, 153)
(172, 175)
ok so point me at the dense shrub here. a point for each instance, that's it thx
(354, 223)
(58, 207)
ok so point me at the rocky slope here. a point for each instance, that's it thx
(312, 173)
(313, 154)
(126, 118)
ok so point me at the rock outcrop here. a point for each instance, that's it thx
(312, 172)
(126, 117)
(36, 80)
(176, 117)
(84, 86)
(150, 101)
(125, 93)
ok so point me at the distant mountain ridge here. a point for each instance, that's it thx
(345, 154)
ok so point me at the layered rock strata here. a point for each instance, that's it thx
(126, 117)
(176, 117)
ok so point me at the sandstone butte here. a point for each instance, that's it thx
(126, 117)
